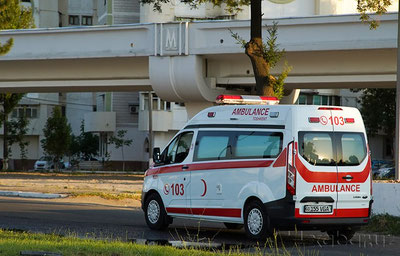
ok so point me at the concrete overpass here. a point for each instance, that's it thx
(195, 61)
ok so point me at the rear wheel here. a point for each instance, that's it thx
(342, 235)
(156, 217)
(233, 225)
(256, 221)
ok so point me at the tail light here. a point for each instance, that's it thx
(291, 170)
(370, 169)
(313, 119)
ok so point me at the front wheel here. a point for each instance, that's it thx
(256, 221)
(156, 217)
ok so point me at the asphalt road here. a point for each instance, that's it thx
(110, 222)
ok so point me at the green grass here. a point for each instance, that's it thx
(12, 243)
(384, 223)
(108, 196)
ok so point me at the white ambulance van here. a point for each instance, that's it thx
(266, 167)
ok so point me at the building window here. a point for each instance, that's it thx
(316, 100)
(87, 20)
(158, 104)
(73, 20)
(302, 100)
(28, 112)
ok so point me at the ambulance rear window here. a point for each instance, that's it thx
(332, 148)
(317, 148)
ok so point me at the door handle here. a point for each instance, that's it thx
(347, 177)
(185, 167)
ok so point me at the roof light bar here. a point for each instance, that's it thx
(246, 100)
(329, 108)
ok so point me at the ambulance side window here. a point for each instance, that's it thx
(178, 149)
(212, 145)
(257, 144)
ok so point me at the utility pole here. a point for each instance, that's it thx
(397, 153)
(150, 127)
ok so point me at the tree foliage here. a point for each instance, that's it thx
(271, 52)
(18, 128)
(378, 108)
(13, 16)
(119, 141)
(57, 136)
(364, 7)
(85, 145)
(233, 6)
(8, 101)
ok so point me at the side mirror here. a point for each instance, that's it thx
(156, 155)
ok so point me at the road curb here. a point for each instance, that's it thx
(30, 194)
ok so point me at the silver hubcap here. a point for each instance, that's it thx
(153, 211)
(255, 221)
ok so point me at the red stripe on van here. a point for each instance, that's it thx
(331, 177)
(337, 213)
(219, 212)
(210, 166)
(230, 165)
(281, 160)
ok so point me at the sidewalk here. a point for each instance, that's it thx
(82, 186)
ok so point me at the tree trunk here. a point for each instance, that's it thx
(123, 159)
(254, 49)
(5, 142)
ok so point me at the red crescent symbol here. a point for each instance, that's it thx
(205, 188)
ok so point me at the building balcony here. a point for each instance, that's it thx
(163, 121)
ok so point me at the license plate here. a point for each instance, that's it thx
(318, 208)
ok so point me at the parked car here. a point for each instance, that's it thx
(47, 163)
(386, 173)
(379, 166)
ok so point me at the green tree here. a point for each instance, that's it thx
(272, 55)
(372, 6)
(12, 16)
(378, 108)
(18, 128)
(8, 102)
(86, 145)
(57, 136)
(119, 141)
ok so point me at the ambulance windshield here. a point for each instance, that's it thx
(331, 149)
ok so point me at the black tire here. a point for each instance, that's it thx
(154, 212)
(256, 221)
(233, 225)
(342, 235)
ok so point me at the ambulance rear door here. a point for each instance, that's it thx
(353, 163)
(315, 163)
